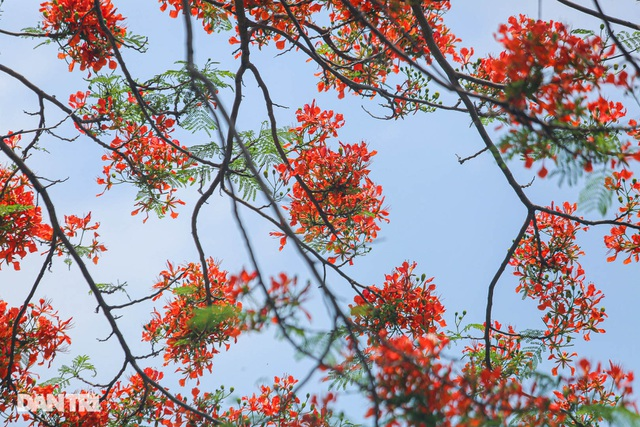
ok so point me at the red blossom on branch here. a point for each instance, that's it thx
(549, 86)
(546, 263)
(21, 223)
(77, 22)
(406, 305)
(187, 318)
(39, 335)
(623, 239)
(334, 204)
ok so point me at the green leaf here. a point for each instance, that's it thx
(263, 153)
(630, 40)
(10, 209)
(583, 32)
(207, 319)
(198, 120)
(361, 310)
(615, 415)
(594, 195)
(184, 290)
(66, 373)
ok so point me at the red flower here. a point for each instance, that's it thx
(405, 305)
(334, 203)
(21, 223)
(193, 331)
(88, 44)
(546, 263)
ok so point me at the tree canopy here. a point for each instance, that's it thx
(549, 105)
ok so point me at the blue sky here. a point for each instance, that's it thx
(455, 221)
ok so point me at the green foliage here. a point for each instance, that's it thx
(35, 31)
(263, 153)
(328, 344)
(11, 209)
(614, 415)
(583, 32)
(568, 171)
(352, 371)
(416, 86)
(198, 120)
(594, 195)
(66, 373)
(207, 319)
(172, 93)
(352, 374)
(465, 331)
(522, 362)
(110, 288)
(215, 18)
(570, 150)
(630, 40)
(361, 310)
(534, 350)
(185, 290)
(340, 420)
(136, 42)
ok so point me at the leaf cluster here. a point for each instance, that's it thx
(79, 366)
(263, 153)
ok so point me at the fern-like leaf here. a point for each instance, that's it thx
(595, 195)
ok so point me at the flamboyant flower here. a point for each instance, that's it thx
(21, 222)
(80, 24)
(334, 204)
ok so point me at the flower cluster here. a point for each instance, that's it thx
(548, 74)
(361, 59)
(192, 330)
(548, 70)
(213, 17)
(621, 238)
(76, 226)
(29, 337)
(283, 304)
(21, 224)
(415, 382)
(506, 352)
(405, 305)
(366, 58)
(278, 405)
(405, 342)
(546, 263)
(83, 27)
(194, 327)
(141, 154)
(334, 204)
(595, 385)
